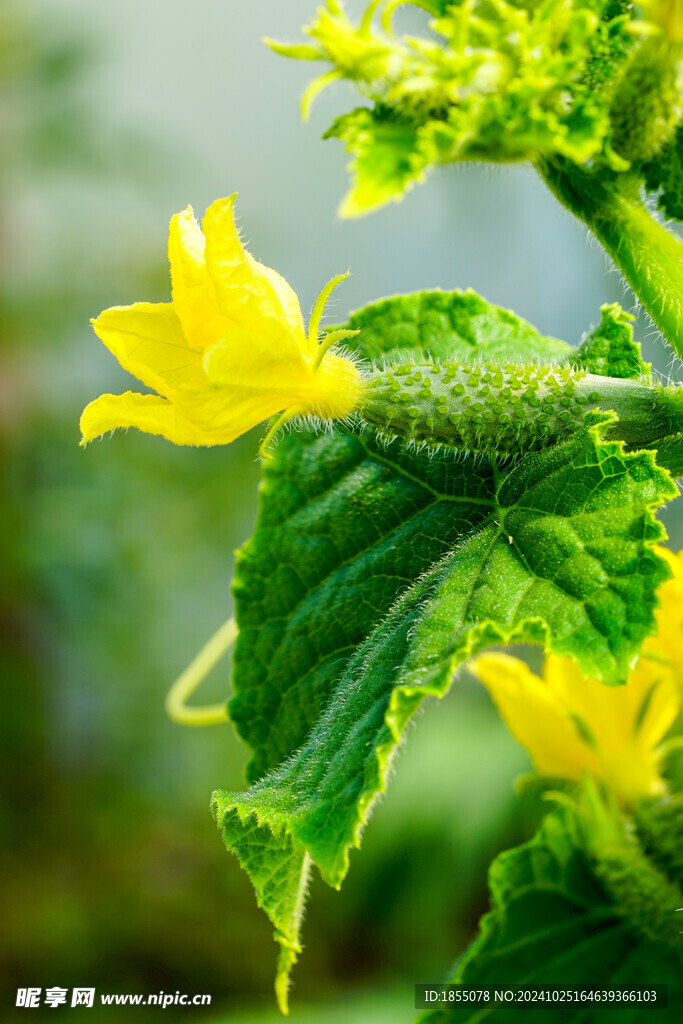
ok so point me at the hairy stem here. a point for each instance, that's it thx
(195, 673)
(649, 256)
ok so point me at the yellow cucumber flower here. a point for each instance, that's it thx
(571, 724)
(228, 352)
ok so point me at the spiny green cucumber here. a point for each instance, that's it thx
(510, 409)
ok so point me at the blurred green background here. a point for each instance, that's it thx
(118, 558)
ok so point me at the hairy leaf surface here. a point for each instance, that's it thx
(343, 528)
(375, 571)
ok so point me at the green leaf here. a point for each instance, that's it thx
(610, 350)
(493, 81)
(664, 174)
(335, 518)
(375, 571)
(386, 159)
(554, 921)
(450, 325)
(344, 527)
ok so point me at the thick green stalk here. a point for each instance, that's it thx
(649, 256)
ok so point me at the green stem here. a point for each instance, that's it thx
(195, 673)
(649, 256)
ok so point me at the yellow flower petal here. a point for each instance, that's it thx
(254, 296)
(666, 646)
(220, 415)
(626, 723)
(331, 390)
(148, 341)
(660, 704)
(150, 413)
(246, 357)
(571, 724)
(529, 710)
(229, 352)
(289, 303)
(194, 295)
(607, 712)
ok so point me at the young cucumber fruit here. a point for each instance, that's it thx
(510, 409)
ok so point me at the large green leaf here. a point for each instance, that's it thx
(343, 527)
(555, 552)
(375, 571)
(556, 921)
(451, 325)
